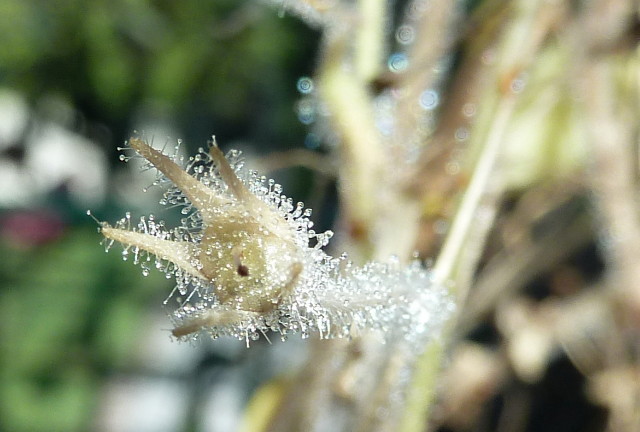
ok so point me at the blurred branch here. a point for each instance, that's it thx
(351, 107)
(611, 92)
(369, 38)
(433, 39)
(512, 268)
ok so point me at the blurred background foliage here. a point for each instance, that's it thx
(92, 72)
(203, 65)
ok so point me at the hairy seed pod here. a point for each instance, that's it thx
(243, 262)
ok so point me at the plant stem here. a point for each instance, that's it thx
(445, 265)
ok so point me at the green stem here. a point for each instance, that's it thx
(445, 265)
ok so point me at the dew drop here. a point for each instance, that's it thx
(441, 226)
(462, 134)
(517, 85)
(429, 99)
(305, 85)
(405, 34)
(398, 62)
(469, 109)
(306, 111)
(312, 141)
(452, 168)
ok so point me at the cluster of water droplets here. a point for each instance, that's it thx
(330, 297)
(398, 301)
(336, 299)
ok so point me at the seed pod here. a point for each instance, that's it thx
(243, 264)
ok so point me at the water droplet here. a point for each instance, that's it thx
(517, 85)
(405, 34)
(312, 141)
(429, 99)
(441, 226)
(306, 111)
(305, 85)
(462, 134)
(469, 109)
(452, 168)
(398, 62)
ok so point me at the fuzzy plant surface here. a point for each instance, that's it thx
(247, 262)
